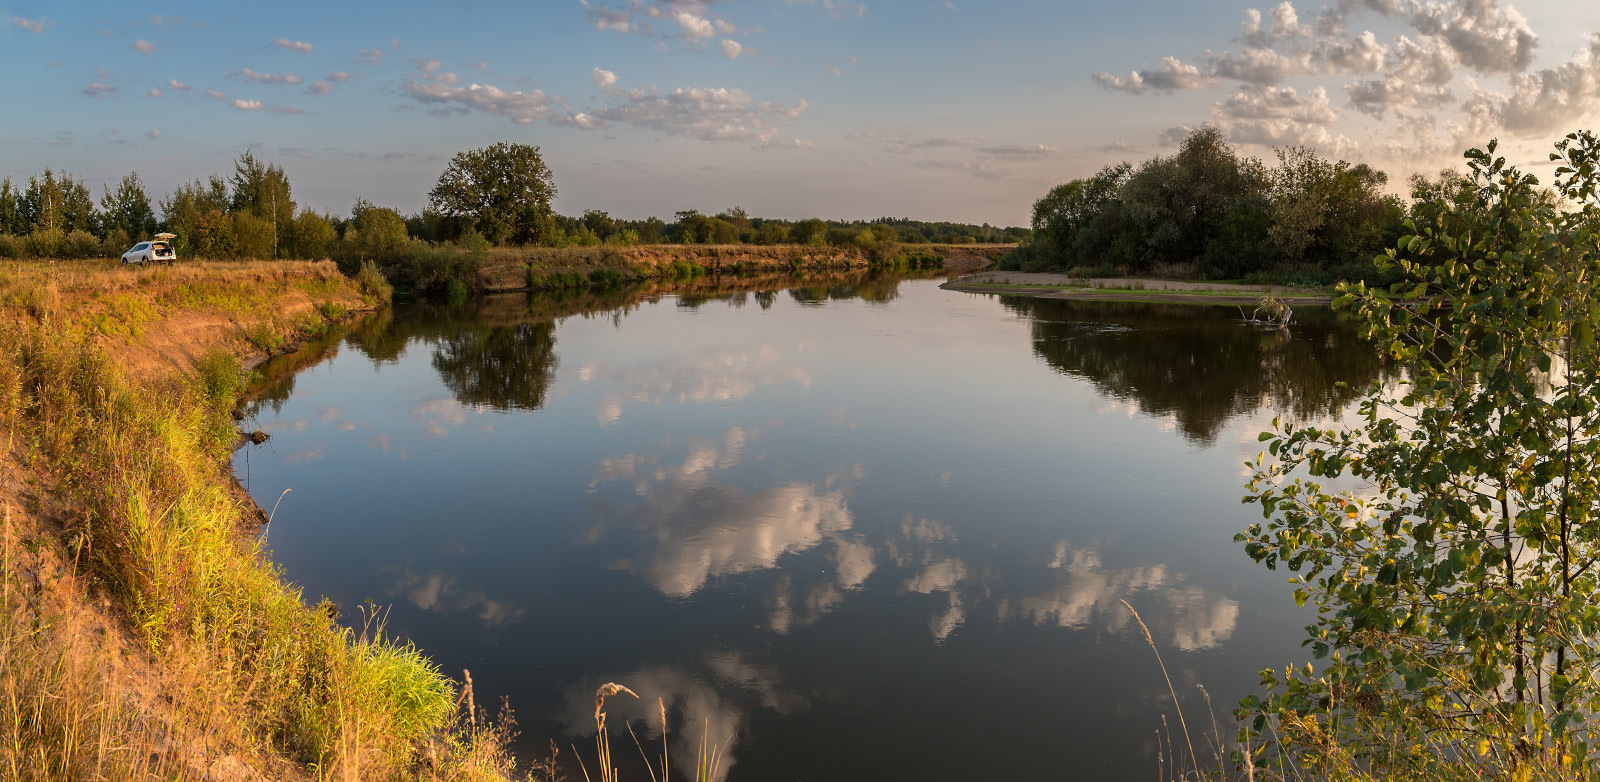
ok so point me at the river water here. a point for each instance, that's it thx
(859, 528)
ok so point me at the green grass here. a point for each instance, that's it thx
(141, 471)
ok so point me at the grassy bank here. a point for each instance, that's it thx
(143, 632)
(549, 268)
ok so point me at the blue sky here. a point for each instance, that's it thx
(794, 108)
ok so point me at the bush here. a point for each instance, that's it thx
(606, 278)
(44, 244)
(80, 244)
(374, 286)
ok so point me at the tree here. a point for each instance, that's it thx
(311, 236)
(505, 189)
(374, 233)
(1454, 589)
(11, 221)
(261, 190)
(193, 206)
(127, 210)
(812, 231)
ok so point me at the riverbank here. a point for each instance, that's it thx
(144, 633)
(525, 268)
(1061, 286)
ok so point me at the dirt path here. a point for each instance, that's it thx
(1061, 286)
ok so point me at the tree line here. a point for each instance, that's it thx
(499, 195)
(1208, 212)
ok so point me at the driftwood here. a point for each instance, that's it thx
(1270, 311)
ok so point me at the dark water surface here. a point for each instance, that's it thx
(860, 529)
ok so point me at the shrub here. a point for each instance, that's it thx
(606, 278)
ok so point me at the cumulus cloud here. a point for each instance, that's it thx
(695, 27)
(297, 46)
(1284, 25)
(1280, 103)
(373, 56)
(267, 78)
(153, 133)
(143, 47)
(705, 113)
(218, 94)
(155, 92)
(98, 90)
(1173, 75)
(518, 106)
(1549, 100)
(319, 88)
(338, 76)
(730, 48)
(1260, 66)
(1362, 54)
(31, 25)
(1488, 37)
(247, 105)
(177, 85)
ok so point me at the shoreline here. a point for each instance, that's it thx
(1047, 285)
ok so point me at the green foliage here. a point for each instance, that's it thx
(311, 236)
(80, 244)
(374, 233)
(505, 190)
(1455, 596)
(374, 286)
(127, 210)
(606, 278)
(1222, 215)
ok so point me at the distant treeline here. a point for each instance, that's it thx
(252, 214)
(1207, 212)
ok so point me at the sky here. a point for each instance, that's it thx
(959, 110)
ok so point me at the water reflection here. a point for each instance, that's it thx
(503, 367)
(891, 537)
(1199, 364)
(686, 529)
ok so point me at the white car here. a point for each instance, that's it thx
(157, 250)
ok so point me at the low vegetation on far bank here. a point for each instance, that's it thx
(1208, 213)
(498, 197)
(143, 633)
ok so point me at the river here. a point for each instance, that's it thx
(857, 528)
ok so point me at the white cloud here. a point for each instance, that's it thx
(705, 113)
(247, 105)
(98, 90)
(1280, 103)
(730, 48)
(143, 47)
(373, 56)
(215, 94)
(298, 46)
(1260, 66)
(155, 92)
(153, 133)
(517, 106)
(338, 76)
(177, 85)
(31, 25)
(725, 27)
(1549, 100)
(1362, 54)
(603, 78)
(319, 88)
(1285, 24)
(1487, 37)
(267, 78)
(695, 27)
(1173, 75)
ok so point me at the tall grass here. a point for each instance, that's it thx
(139, 472)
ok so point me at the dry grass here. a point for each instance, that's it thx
(198, 660)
